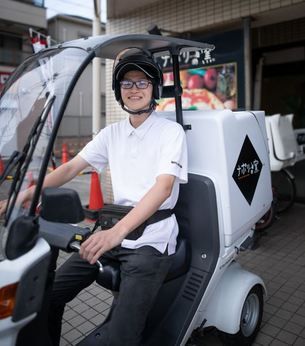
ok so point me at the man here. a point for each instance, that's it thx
(147, 157)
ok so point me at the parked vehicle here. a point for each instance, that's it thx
(229, 190)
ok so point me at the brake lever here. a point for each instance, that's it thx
(76, 246)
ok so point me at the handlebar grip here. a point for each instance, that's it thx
(76, 246)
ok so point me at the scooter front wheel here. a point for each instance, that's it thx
(250, 320)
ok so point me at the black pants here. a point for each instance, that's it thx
(142, 272)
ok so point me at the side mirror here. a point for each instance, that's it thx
(61, 205)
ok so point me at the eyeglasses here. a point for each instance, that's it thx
(140, 84)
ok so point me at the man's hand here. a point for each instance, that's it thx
(98, 243)
(23, 197)
(2, 207)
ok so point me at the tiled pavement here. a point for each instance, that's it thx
(279, 260)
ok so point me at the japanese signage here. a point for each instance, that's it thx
(198, 58)
(247, 170)
(211, 78)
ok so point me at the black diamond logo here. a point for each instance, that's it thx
(247, 170)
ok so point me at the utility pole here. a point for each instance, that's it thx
(96, 73)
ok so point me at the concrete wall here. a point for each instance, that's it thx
(19, 12)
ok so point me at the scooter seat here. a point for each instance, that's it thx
(110, 277)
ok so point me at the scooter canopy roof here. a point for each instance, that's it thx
(109, 46)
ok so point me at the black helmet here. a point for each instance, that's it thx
(140, 62)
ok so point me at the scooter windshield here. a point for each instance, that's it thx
(30, 104)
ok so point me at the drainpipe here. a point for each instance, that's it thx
(247, 60)
(96, 73)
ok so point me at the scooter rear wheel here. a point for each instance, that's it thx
(250, 320)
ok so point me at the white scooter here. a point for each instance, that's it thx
(229, 190)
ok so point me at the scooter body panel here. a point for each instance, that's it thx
(23, 271)
(224, 307)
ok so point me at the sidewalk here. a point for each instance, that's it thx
(279, 260)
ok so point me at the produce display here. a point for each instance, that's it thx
(205, 88)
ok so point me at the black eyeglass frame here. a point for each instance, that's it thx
(136, 83)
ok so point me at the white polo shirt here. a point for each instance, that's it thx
(136, 157)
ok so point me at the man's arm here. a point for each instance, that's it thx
(100, 242)
(66, 172)
(58, 177)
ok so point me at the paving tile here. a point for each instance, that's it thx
(102, 306)
(74, 302)
(301, 310)
(72, 335)
(70, 314)
(294, 328)
(66, 327)
(299, 342)
(266, 316)
(270, 308)
(298, 319)
(64, 342)
(287, 337)
(77, 320)
(84, 296)
(98, 319)
(287, 292)
(295, 300)
(263, 339)
(270, 330)
(286, 315)
(80, 308)
(277, 302)
(89, 313)
(290, 307)
(282, 295)
(93, 301)
(277, 321)
(276, 342)
(86, 327)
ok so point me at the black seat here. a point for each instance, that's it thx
(196, 213)
(110, 278)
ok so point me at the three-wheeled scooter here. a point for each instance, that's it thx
(229, 190)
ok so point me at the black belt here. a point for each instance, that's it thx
(112, 213)
(159, 215)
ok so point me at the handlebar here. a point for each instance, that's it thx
(76, 246)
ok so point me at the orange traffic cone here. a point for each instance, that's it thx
(96, 201)
(64, 153)
(1, 166)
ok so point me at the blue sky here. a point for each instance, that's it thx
(74, 7)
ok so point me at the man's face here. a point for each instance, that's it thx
(136, 99)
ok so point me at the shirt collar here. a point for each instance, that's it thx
(142, 129)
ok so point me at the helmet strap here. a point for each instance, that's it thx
(151, 108)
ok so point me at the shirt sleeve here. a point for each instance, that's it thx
(173, 153)
(96, 151)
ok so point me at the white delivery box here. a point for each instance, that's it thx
(281, 140)
(231, 149)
